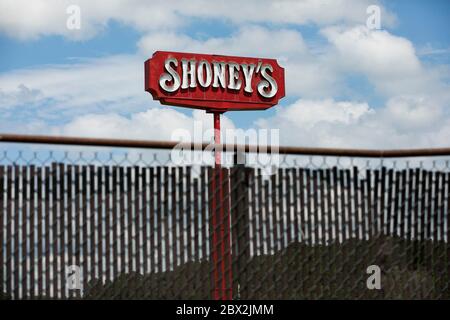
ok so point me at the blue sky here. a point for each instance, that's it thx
(347, 85)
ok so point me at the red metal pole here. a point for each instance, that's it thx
(221, 227)
(217, 138)
(216, 290)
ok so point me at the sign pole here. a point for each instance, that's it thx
(221, 226)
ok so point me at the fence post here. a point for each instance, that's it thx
(240, 226)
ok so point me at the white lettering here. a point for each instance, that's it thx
(186, 73)
(201, 77)
(264, 84)
(215, 74)
(219, 74)
(170, 76)
(248, 70)
(234, 83)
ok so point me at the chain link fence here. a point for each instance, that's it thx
(111, 223)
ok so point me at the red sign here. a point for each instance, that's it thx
(213, 82)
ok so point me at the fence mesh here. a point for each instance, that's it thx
(118, 224)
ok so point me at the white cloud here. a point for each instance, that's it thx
(309, 113)
(430, 50)
(19, 95)
(248, 40)
(320, 12)
(405, 122)
(152, 124)
(410, 113)
(307, 73)
(389, 62)
(376, 52)
(113, 83)
(32, 19)
(311, 77)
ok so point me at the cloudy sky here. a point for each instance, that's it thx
(347, 85)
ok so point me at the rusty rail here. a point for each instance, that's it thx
(153, 144)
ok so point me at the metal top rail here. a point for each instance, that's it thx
(153, 144)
